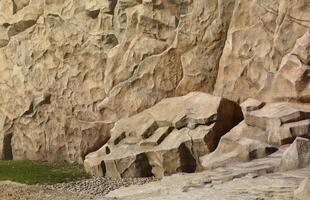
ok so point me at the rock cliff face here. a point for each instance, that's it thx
(261, 33)
(80, 77)
(70, 69)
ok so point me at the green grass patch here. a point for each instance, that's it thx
(34, 172)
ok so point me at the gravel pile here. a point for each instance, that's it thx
(98, 186)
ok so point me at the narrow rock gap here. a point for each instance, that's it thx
(112, 6)
(103, 167)
(139, 168)
(188, 162)
(14, 7)
(7, 147)
(163, 136)
(20, 27)
(120, 138)
(150, 130)
(93, 14)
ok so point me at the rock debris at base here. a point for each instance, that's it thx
(98, 186)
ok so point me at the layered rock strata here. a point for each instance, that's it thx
(265, 128)
(165, 139)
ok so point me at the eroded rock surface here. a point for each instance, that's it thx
(303, 191)
(261, 33)
(256, 179)
(292, 81)
(266, 127)
(243, 143)
(70, 69)
(165, 139)
(297, 155)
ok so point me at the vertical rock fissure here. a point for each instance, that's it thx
(224, 39)
(188, 162)
(7, 147)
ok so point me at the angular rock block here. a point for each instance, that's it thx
(292, 81)
(166, 138)
(302, 48)
(282, 121)
(265, 128)
(297, 155)
(243, 143)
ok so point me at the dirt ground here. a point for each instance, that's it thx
(16, 191)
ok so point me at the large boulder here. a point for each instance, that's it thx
(70, 69)
(283, 121)
(265, 128)
(165, 139)
(243, 143)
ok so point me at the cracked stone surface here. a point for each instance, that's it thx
(282, 121)
(165, 139)
(291, 82)
(266, 127)
(121, 85)
(70, 69)
(261, 33)
(253, 180)
(243, 143)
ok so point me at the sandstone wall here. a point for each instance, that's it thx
(260, 34)
(69, 68)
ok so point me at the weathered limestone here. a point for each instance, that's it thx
(261, 33)
(265, 128)
(257, 179)
(291, 82)
(297, 155)
(282, 121)
(70, 69)
(243, 143)
(165, 139)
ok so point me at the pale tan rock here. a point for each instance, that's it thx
(70, 69)
(281, 121)
(166, 138)
(296, 129)
(251, 105)
(260, 34)
(239, 181)
(243, 143)
(297, 155)
(303, 191)
(291, 82)
(266, 127)
(302, 48)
